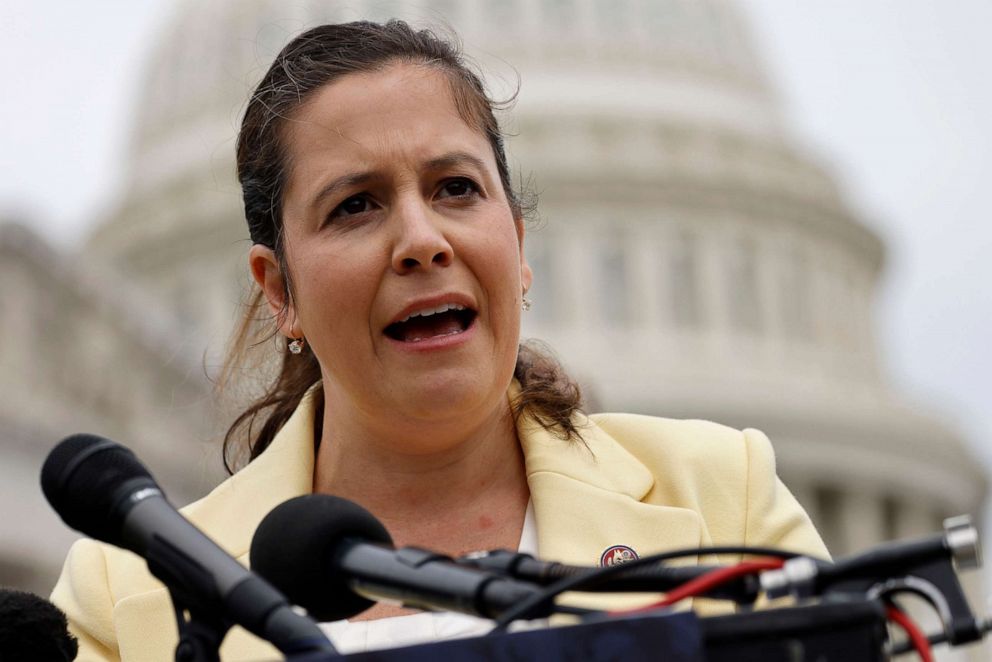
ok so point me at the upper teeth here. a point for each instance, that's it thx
(424, 312)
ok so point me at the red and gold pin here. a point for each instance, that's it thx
(616, 555)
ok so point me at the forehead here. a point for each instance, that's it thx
(402, 111)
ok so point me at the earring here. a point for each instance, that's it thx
(525, 304)
(296, 345)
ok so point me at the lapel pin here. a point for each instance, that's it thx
(616, 555)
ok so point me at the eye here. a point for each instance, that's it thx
(458, 188)
(356, 204)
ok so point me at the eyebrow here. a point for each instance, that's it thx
(346, 181)
(455, 159)
(450, 160)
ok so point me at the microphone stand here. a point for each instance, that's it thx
(199, 607)
(200, 635)
(201, 630)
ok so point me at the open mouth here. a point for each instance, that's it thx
(445, 320)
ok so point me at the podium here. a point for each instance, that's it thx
(831, 632)
(852, 631)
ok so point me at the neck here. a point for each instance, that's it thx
(435, 485)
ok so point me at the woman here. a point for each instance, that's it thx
(388, 248)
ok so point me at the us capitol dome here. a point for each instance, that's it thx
(690, 260)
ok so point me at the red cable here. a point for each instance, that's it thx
(915, 634)
(714, 578)
(705, 583)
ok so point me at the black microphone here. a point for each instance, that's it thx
(32, 628)
(331, 556)
(100, 488)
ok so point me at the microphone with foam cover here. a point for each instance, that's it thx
(294, 548)
(32, 628)
(332, 556)
(91, 481)
(100, 488)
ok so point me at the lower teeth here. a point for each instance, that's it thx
(440, 335)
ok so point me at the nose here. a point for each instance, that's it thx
(420, 242)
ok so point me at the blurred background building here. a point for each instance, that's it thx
(690, 259)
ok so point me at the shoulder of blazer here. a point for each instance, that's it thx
(696, 464)
(651, 439)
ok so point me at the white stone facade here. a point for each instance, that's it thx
(84, 351)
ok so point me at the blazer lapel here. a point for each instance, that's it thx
(590, 498)
(235, 508)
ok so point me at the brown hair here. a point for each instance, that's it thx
(312, 60)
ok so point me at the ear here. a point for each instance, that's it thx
(266, 272)
(526, 275)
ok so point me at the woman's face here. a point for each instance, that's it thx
(406, 262)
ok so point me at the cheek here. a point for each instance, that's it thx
(333, 298)
(502, 261)
(506, 261)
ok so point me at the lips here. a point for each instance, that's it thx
(431, 321)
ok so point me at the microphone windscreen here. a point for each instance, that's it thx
(83, 477)
(32, 628)
(294, 547)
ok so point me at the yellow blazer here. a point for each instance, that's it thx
(647, 483)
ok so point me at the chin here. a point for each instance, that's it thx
(447, 396)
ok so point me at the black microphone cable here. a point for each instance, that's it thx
(743, 590)
(593, 577)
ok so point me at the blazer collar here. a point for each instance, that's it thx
(588, 495)
(596, 460)
(593, 496)
(234, 509)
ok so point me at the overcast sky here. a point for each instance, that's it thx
(895, 95)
